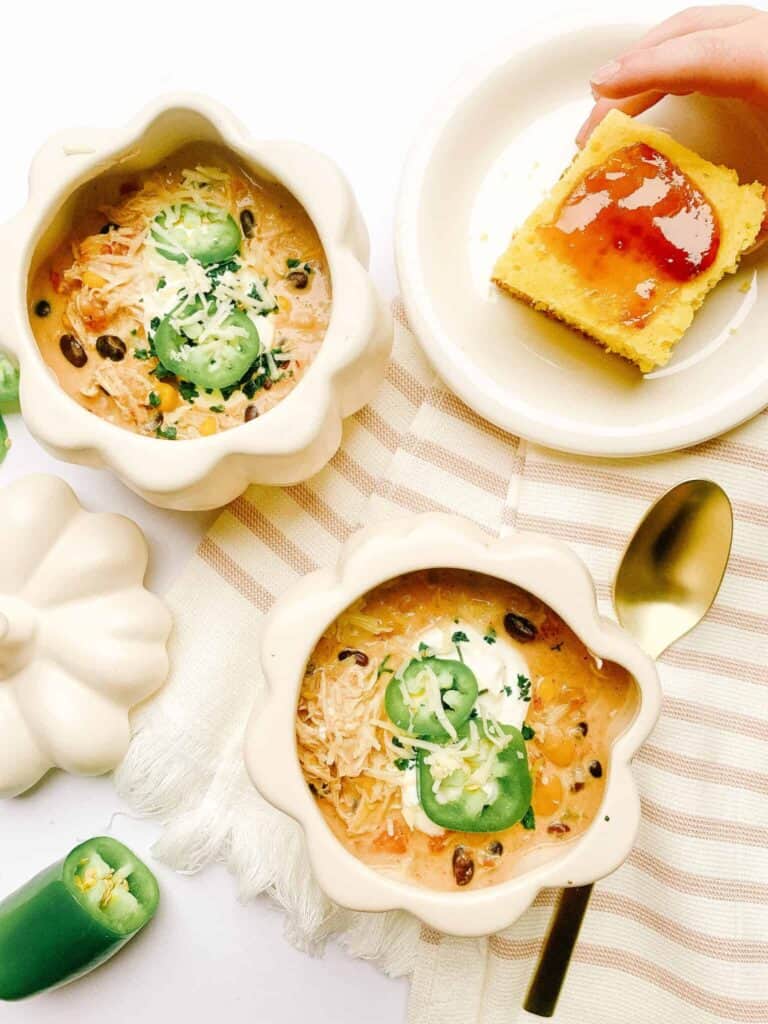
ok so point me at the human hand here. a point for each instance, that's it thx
(718, 51)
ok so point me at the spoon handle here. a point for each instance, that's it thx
(544, 990)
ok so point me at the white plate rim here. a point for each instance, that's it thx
(430, 333)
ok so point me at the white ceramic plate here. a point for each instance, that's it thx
(499, 140)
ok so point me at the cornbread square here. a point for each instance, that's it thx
(530, 270)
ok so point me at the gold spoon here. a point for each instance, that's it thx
(666, 582)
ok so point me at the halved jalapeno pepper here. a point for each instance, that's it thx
(9, 385)
(73, 916)
(481, 783)
(429, 693)
(206, 233)
(215, 360)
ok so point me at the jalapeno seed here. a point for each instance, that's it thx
(251, 413)
(42, 308)
(298, 278)
(595, 769)
(109, 346)
(463, 866)
(247, 222)
(72, 350)
(361, 658)
(520, 628)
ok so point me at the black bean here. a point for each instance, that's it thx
(247, 222)
(520, 628)
(298, 278)
(583, 728)
(463, 866)
(360, 657)
(109, 226)
(595, 769)
(495, 849)
(42, 308)
(251, 412)
(72, 350)
(109, 346)
(558, 828)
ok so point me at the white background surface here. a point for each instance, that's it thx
(354, 80)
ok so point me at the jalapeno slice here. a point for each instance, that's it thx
(481, 783)
(209, 359)
(73, 916)
(9, 385)
(426, 684)
(206, 233)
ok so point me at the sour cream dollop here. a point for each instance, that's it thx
(496, 664)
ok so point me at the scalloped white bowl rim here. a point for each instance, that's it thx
(539, 564)
(296, 438)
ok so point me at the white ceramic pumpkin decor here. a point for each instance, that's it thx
(81, 639)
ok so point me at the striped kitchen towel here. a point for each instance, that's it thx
(680, 930)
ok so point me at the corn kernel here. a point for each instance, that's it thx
(559, 748)
(169, 397)
(208, 426)
(547, 795)
(93, 280)
(547, 690)
(284, 303)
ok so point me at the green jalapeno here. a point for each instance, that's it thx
(9, 385)
(429, 693)
(206, 233)
(208, 358)
(73, 916)
(481, 783)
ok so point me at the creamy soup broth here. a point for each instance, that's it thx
(96, 301)
(570, 707)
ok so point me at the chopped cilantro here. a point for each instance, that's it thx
(402, 764)
(528, 820)
(167, 433)
(527, 732)
(134, 332)
(508, 691)
(524, 687)
(292, 263)
(216, 408)
(161, 372)
(188, 390)
(161, 284)
(490, 636)
(397, 742)
(154, 399)
(423, 648)
(473, 713)
(154, 323)
(459, 637)
(141, 353)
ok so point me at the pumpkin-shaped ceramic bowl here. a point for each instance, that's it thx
(547, 569)
(300, 434)
(81, 639)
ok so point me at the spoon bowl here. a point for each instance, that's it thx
(674, 564)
